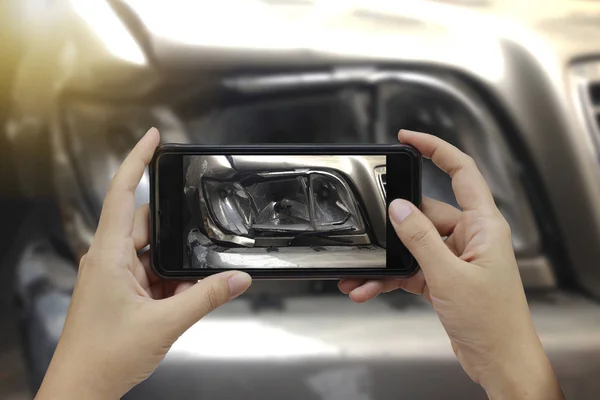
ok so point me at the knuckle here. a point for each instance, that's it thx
(473, 219)
(503, 226)
(211, 297)
(497, 225)
(469, 161)
(419, 237)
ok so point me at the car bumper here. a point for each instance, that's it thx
(290, 257)
(314, 347)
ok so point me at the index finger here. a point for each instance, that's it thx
(470, 189)
(118, 209)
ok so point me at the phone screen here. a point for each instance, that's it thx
(315, 214)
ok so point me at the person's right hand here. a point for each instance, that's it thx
(471, 279)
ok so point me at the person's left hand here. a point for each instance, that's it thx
(123, 318)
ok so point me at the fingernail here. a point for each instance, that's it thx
(399, 210)
(151, 131)
(402, 133)
(238, 283)
(410, 132)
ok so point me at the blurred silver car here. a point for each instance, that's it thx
(519, 91)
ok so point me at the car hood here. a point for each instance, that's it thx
(239, 33)
(270, 162)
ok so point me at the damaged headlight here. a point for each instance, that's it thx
(283, 203)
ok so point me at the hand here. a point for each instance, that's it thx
(123, 318)
(471, 279)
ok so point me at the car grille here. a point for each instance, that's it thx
(586, 81)
(381, 174)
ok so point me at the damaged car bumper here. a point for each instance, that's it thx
(361, 256)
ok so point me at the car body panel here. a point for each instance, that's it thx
(317, 346)
(523, 59)
(299, 257)
(516, 58)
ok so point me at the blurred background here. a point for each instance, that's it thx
(515, 84)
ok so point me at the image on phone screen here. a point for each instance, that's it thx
(289, 212)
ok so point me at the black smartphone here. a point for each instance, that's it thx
(281, 212)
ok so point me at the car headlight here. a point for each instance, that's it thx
(283, 203)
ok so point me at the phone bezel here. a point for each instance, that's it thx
(157, 222)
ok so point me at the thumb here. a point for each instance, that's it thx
(186, 308)
(419, 236)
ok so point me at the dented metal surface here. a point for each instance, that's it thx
(206, 254)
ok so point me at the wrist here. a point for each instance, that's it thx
(68, 377)
(524, 373)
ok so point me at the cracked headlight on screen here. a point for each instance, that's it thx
(274, 203)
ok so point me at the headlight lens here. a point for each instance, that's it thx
(281, 204)
(263, 205)
(332, 203)
(230, 204)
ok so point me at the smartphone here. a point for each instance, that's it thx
(281, 212)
